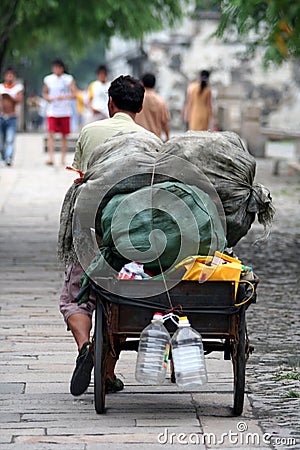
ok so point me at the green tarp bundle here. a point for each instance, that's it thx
(170, 220)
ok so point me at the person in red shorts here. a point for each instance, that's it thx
(59, 88)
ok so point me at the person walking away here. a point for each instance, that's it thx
(80, 105)
(154, 115)
(11, 94)
(59, 89)
(33, 103)
(126, 96)
(98, 95)
(198, 111)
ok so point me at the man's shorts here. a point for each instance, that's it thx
(71, 288)
(58, 125)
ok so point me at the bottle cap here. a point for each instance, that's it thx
(158, 316)
(184, 322)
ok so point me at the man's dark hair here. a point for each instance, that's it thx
(101, 68)
(58, 62)
(10, 69)
(148, 80)
(127, 93)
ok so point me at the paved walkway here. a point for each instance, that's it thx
(273, 371)
(37, 353)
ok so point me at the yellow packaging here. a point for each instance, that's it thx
(197, 268)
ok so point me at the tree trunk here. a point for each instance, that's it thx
(8, 23)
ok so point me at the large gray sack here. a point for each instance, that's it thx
(123, 164)
(223, 158)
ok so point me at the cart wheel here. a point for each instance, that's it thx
(239, 366)
(99, 357)
(173, 377)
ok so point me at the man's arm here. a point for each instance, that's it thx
(46, 93)
(165, 122)
(73, 90)
(14, 97)
(18, 98)
(90, 96)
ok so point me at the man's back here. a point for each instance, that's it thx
(154, 115)
(96, 133)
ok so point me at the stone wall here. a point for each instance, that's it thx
(246, 97)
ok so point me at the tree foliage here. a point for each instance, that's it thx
(26, 23)
(273, 25)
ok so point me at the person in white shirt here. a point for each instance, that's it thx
(59, 88)
(11, 93)
(98, 95)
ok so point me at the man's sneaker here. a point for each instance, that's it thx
(113, 386)
(82, 373)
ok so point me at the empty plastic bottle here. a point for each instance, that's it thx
(188, 356)
(153, 352)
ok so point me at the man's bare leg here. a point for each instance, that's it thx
(51, 148)
(63, 149)
(80, 326)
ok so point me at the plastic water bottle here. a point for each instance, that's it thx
(153, 352)
(188, 356)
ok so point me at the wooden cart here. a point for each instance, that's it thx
(211, 308)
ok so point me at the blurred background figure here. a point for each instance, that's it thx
(198, 110)
(36, 112)
(98, 95)
(79, 110)
(154, 115)
(11, 93)
(59, 89)
(81, 101)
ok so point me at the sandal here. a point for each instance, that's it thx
(113, 386)
(82, 373)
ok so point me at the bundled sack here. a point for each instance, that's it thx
(121, 156)
(230, 168)
(65, 249)
(217, 163)
(122, 164)
(184, 218)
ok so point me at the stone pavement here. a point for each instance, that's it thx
(38, 354)
(273, 371)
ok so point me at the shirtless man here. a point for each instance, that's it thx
(11, 93)
(154, 115)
